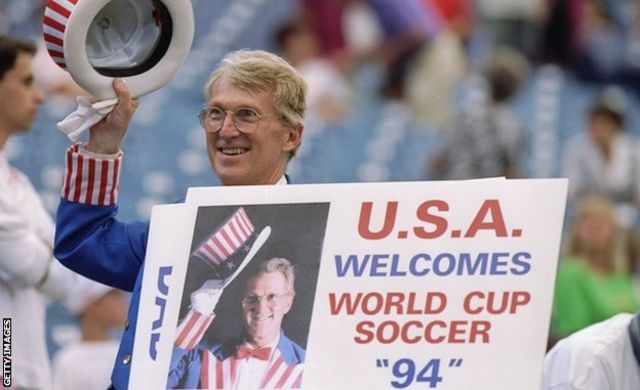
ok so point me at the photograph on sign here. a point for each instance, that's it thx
(248, 292)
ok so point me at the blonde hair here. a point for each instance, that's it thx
(595, 205)
(257, 70)
(284, 266)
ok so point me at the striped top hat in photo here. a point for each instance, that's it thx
(226, 240)
(143, 42)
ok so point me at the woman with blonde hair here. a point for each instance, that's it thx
(593, 281)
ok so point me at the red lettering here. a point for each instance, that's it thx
(520, 298)
(394, 300)
(404, 334)
(411, 305)
(439, 223)
(362, 328)
(414, 331)
(467, 302)
(479, 330)
(364, 224)
(495, 303)
(344, 300)
(429, 303)
(428, 332)
(490, 208)
(394, 329)
(377, 300)
(457, 332)
(497, 308)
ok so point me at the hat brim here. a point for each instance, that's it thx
(66, 28)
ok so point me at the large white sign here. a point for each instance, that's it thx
(430, 285)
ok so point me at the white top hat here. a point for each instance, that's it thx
(143, 42)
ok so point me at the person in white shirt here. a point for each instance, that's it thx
(28, 271)
(605, 160)
(86, 363)
(603, 356)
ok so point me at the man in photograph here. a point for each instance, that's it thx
(261, 357)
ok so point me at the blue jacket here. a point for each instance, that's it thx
(90, 241)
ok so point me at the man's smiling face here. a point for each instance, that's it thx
(263, 318)
(259, 157)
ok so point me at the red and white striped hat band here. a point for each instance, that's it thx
(142, 41)
(226, 240)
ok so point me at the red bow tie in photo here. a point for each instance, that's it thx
(260, 353)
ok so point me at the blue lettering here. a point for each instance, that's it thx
(444, 264)
(521, 260)
(153, 351)
(163, 289)
(498, 267)
(413, 264)
(163, 272)
(378, 268)
(467, 267)
(352, 262)
(394, 266)
(160, 302)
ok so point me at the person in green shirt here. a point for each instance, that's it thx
(593, 283)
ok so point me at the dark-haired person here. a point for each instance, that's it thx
(29, 274)
(486, 138)
(253, 121)
(604, 160)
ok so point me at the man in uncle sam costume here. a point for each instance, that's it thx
(253, 120)
(262, 356)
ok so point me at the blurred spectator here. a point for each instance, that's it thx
(29, 274)
(603, 356)
(593, 282)
(609, 42)
(514, 23)
(362, 29)
(487, 139)
(559, 33)
(604, 160)
(440, 68)
(328, 92)
(324, 17)
(408, 27)
(87, 363)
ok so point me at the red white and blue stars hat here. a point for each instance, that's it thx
(143, 42)
(228, 249)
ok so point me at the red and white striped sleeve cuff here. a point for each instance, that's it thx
(91, 178)
(192, 328)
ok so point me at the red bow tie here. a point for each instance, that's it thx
(260, 353)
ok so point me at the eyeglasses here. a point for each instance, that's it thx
(254, 300)
(244, 119)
